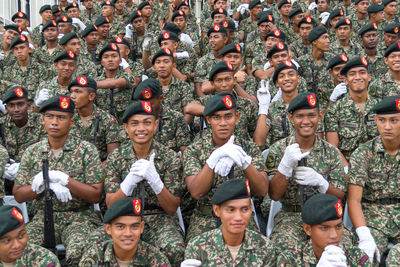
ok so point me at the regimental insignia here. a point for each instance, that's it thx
(82, 80)
(312, 101)
(225, 23)
(271, 159)
(107, 20)
(248, 187)
(280, 46)
(71, 54)
(180, 12)
(20, 29)
(54, 23)
(22, 37)
(216, 27)
(229, 65)
(339, 209)
(64, 102)
(108, 2)
(238, 48)
(220, 10)
(137, 206)
(114, 46)
(146, 106)
(374, 25)
(186, 3)
(20, 14)
(341, 12)
(17, 215)
(347, 21)
(398, 104)
(166, 35)
(74, 4)
(364, 61)
(396, 29)
(270, 18)
(288, 63)
(308, 19)
(64, 18)
(118, 39)
(147, 93)
(18, 91)
(167, 51)
(343, 57)
(139, 12)
(228, 101)
(277, 33)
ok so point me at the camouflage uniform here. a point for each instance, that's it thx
(161, 10)
(259, 61)
(288, 223)
(35, 255)
(378, 173)
(352, 126)
(7, 58)
(211, 250)
(250, 85)
(103, 255)
(54, 88)
(207, 48)
(89, 18)
(377, 67)
(177, 95)
(3, 160)
(354, 49)
(85, 68)
(117, 27)
(74, 219)
(43, 56)
(299, 49)
(254, 47)
(392, 259)
(386, 86)
(247, 25)
(204, 66)
(37, 35)
(136, 44)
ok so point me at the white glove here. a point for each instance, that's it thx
(128, 31)
(339, 90)
(25, 33)
(295, 63)
(243, 8)
(147, 170)
(293, 1)
(367, 243)
(78, 23)
(290, 159)
(230, 12)
(312, 6)
(58, 177)
(324, 17)
(31, 46)
(3, 107)
(346, 169)
(62, 192)
(37, 183)
(224, 165)
(2, 55)
(186, 39)
(182, 55)
(264, 98)
(237, 26)
(217, 154)
(130, 182)
(267, 65)
(42, 97)
(144, 77)
(124, 64)
(238, 155)
(333, 256)
(191, 263)
(11, 170)
(60, 35)
(278, 95)
(308, 176)
(147, 42)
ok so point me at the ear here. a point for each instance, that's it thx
(141, 227)
(208, 119)
(92, 96)
(290, 115)
(107, 227)
(238, 114)
(307, 229)
(216, 210)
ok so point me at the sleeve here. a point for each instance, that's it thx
(191, 163)
(337, 176)
(187, 94)
(201, 71)
(191, 251)
(273, 159)
(92, 165)
(183, 136)
(90, 257)
(113, 176)
(130, 79)
(112, 130)
(331, 119)
(3, 160)
(257, 159)
(25, 172)
(172, 173)
(358, 167)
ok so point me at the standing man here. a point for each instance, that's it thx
(37, 32)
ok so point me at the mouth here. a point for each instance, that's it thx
(17, 253)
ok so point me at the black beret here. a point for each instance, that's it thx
(264, 13)
(64, 19)
(13, 27)
(222, 66)
(49, 24)
(392, 28)
(375, 8)
(353, 63)
(307, 20)
(61, 103)
(139, 107)
(228, 24)
(143, 4)
(89, 28)
(163, 52)
(183, 3)
(148, 89)
(216, 28)
(358, 1)
(336, 13)
(306, 100)
(101, 20)
(343, 22)
(284, 2)
(72, 5)
(276, 33)
(367, 28)
(337, 60)
(218, 102)
(135, 14)
(219, 11)
(321, 208)
(109, 47)
(276, 48)
(231, 189)
(231, 48)
(286, 64)
(15, 92)
(122, 40)
(167, 36)
(392, 48)
(294, 12)
(55, 9)
(18, 40)
(127, 206)
(385, 2)
(265, 18)
(67, 37)
(172, 27)
(316, 33)
(178, 13)
(66, 55)
(108, 3)
(11, 219)
(254, 3)
(388, 105)
(44, 8)
(83, 82)
(19, 15)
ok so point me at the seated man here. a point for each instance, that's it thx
(123, 222)
(231, 244)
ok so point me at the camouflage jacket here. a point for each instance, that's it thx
(53, 86)
(204, 66)
(299, 49)
(177, 95)
(385, 86)
(3, 160)
(354, 49)
(392, 259)
(43, 56)
(35, 255)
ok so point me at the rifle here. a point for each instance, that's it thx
(96, 128)
(112, 108)
(284, 126)
(134, 47)
(304, 190)
(314, 85)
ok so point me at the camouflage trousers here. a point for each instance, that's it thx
(393, 259)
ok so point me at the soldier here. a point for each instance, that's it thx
(103, 28)
(334, 17)
(7, 58)
(391, 35)
(3, 161)
(124, 223)
(295, 16)
(189, 36)
(303, 46)
(57, 12)
(282, 23)
(75, 177)
(37, 32)
(136, 36)
(322, 217)
(335, 65)
(373, 197)
(116, 26)
(344, 43)
(64, 25)
(249, 24)
(360, 16)
(211, 158)
(22, 20)
(88, 15)
(375, 15)
(91, 37)
(14, 247)
(231, 243)
(151, 26)
(297, 172)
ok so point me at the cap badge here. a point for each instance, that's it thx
(82, 81)
(17, 215)
(339, 209)
(228, 101)
(64, 102)
(146, 106)
(137, 206)
(18, 91)
(147, 93)
(312, 101)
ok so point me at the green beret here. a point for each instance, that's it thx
(284, 2)
(108, 3)
(392, 28)
(216, 28)
(83, 82)
(148, 89)
(21, 39)
(276, 33)
(367, 28)
(392, 48)
(101, 20)
(353, 63)
(336, 13)
(183, 3)
(172, 27)
(374, 8)
(385, 2)
(140, 108)
(231, 48)
(307, 20)
(72, 5)
(55, 9)
(264, 13)
(343, 22)
(276, 48)
(218, 102)
(67, 37)
(135, 14)
(89, 28)
(49, 24)
(61, 103)
(306, 100)
(222, 66)
(127, 206)
(388, 105)
(286, 64)
(13, 27)
(358, 1)
(294, 12)
(228, 24)
(122, 40)
(109, 47)
(218, 11)
(64, 19)
(19, 15)
(316, 33)
(337, 60)
(69, 55)
(44, 8)
(254, 3)
(143, 4)
(178, 13)
(167, 36)
(321, 208)
(14, 93)
(163, 52)
(265, 18)
(231, 189)
(11, 219)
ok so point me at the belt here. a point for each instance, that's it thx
(384, 201)
(291, 208)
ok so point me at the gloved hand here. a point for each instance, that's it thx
(25, 33)
(62, 192)
(60, 35)
(267, 65)
(124, 64)
(238, 155)
(339, 90)
(186, 39)
(42, 97)
(230, 12)
(10, 170)
(243, 8)
(295, 63)
(191, 263)
(3, 107)
(346, 169)
(146, 45)
(308, 176)
(58, 177)
(128, 31)
(367, 243)
(333, 256)
(264, 98)
(37, 183)
(129, 183)
(312, 6)
(78, 23)
(225, 164)
(182, 55)
(290, 159)
(278, 95)
(293, 1)
(217, 154)
(324, 17)
(147, 170)
(31, 46)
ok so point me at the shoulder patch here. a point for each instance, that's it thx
(271, 159)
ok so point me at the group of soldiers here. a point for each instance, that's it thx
(145, 136)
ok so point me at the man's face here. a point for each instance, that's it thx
(92, 38)
(88, 4)
(335, 73)
(223, 123)
(278, 58)
(74, 12)
(124, 50)
(285, 9)
(217, 41)
(223, 82)
(163, 66)
(218, 18)
(296, 18)
(235, 215)
(82, 96)
(343, 32)
(390, 38)
(388, 126)
(288, 80)
(103, 30)
(185, 9)
(64, 27)
(138, 24)
(65, 68)
(335, 20)
(170, 44)
(357, 79)
(147, 11)
(180, 21)
(325, 234)
(46, 15)
(305, 30)
(125, 232)
(107, 11)
(57, 123)
(119, 4)
(255, 10)
(235, 59)
(393, 61)
(9, 35)
(21, 51)
(12, 244)
(263, 29)
(141, 128)
(370, 39)
(378, 17)
(18, 109)
(50, 34)
(23, 23)
(305, 121)
(220, 4)
(73, 45)
(362, 6)
(391, 8)
(270, 41)
(110, 60)
(323, 42)
(322, 6)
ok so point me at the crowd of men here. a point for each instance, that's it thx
(136, 134)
